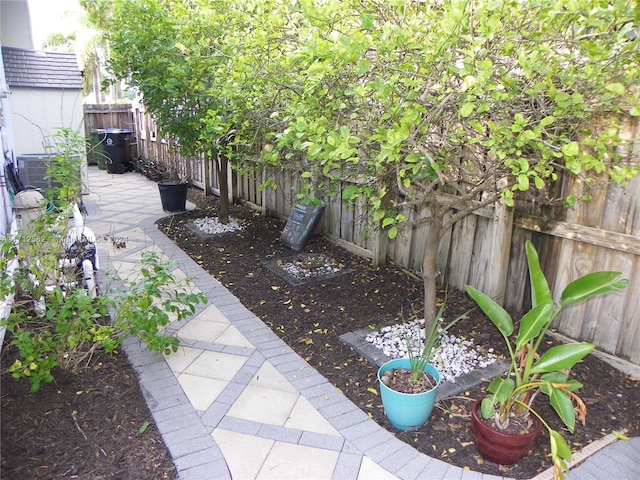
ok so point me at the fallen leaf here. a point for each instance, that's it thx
(620, 435)
(275, 287)
(372, 390)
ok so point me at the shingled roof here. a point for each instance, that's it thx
(28, 68)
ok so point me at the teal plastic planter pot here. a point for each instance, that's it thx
(407, 411)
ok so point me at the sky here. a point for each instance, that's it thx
(48, 16)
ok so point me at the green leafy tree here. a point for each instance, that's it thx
(454, 105)
(444, 107)
(204, 68)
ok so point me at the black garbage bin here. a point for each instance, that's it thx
(116, 146)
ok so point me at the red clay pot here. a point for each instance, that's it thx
(499, 447)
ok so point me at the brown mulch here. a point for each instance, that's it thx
(87, 425)
(42, 437)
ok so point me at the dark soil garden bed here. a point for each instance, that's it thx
(89, 425)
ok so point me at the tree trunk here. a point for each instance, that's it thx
(430, 274)
(223, 180)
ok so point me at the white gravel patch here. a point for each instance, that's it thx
(311, 266)
(211, 225)
(453, 356)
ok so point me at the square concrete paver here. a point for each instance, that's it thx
(212, 314)
(264, 405)
(231, 336)
(244, 454)
(290, 461)
(202, 330)
(216, 365)
(268, 377)
(305, 417)
(369, 469)
(180, 360)
(201, 391)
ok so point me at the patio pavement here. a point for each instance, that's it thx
(235, 402)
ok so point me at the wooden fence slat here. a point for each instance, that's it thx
(462, 236)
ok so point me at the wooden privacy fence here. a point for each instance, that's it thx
(104, 116)
(485, 249)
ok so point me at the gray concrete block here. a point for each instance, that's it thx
(274, 432)
(319, 440)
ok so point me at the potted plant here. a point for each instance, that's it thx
(172, 184)
(409, 386)
(500, 419)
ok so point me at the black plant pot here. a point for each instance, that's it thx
(173, 196)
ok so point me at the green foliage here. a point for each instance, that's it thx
(61, 327)
(421, 96)
(401, 100)
(419, 362)
(144, 305)
(206, 70)
(54, 322)
(407, 100)
(68, 147)
(529, 372)
(66, 336)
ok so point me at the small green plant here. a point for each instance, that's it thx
(432, 337)
(530, 372)
(54, 322)
(142, 307)
(65, 328)
(73, 327)
(68, 148)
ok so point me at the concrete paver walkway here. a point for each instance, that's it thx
(235, 401)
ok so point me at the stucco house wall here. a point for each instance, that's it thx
(46, 94)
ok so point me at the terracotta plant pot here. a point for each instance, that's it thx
(500, 447)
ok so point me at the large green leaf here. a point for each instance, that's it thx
(540, 292)
(555, 377)
(559, 446)
(501, 388)
(532, 323)
(592, 284)
(561, 403)
(487, 408)
(562, 357)
(495, 312)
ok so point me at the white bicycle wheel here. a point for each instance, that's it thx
(89, 278)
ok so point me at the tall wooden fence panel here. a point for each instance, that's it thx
(153, 147)
(485, 249)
